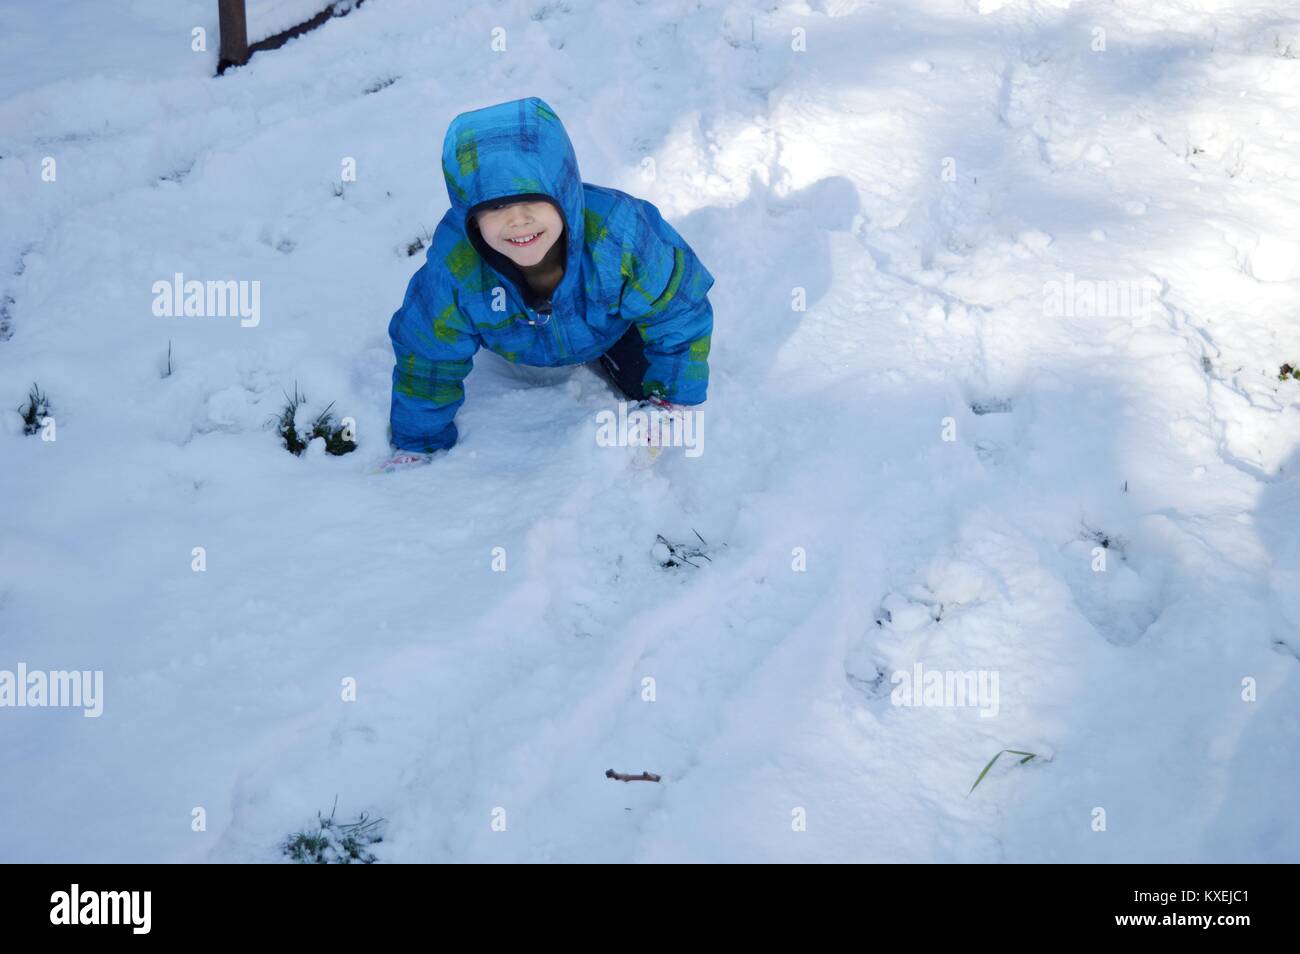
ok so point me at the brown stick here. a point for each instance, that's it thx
(643, 777)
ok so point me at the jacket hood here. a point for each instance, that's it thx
(515, 150)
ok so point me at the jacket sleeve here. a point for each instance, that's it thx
(433, 346)
(665, 293)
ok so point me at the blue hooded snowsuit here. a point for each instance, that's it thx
(623, 264)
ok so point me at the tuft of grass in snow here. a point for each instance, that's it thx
(6, 326)
(1108, 541)
(1288, 371)
(37, 407)
(422, 240)
(379, 84)
(1028, 756)
(298, 434)
(992, 406)
(669, 555)
(335, 843)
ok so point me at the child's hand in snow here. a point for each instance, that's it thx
(650, 439)
(655, 404)
(403, 460)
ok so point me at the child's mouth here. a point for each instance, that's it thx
(524, 241)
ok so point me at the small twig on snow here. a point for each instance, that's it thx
(621, 777)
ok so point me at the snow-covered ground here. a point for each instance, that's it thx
(945, 181)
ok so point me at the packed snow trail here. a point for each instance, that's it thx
(923, 175)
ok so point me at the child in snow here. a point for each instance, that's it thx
(545, 270)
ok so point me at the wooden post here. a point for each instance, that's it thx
(235, 48)
(234, 34)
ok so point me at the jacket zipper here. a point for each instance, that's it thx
(549, 313)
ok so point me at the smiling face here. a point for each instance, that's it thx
(537, 223)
